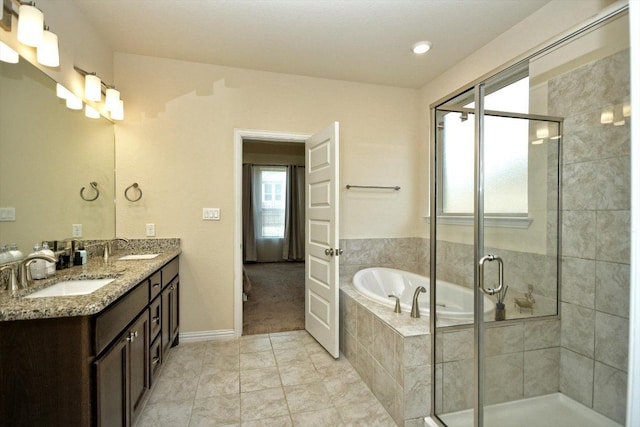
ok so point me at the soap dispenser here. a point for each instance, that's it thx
(37, 267)
(50, 266)
(15, 252)
(5, 255)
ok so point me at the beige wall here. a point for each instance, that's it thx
(177, 143)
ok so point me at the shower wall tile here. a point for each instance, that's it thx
(504, 378)
(457, 345)
(575, 178)
(384, 346)
(612, 183)
(576, 376)
(579, 281)
(610, 393)
(541, 372)
(504, 339)
(612, 340)
(541, 334)
(457, 389)
(577, 330)
(578, 234)
(612, 288)
(613, 236)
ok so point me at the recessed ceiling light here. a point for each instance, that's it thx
(421, 47)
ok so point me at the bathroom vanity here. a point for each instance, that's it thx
(89, 360)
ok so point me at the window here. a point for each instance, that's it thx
(271, 182)
(505, 160)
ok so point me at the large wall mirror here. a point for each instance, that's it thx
(47, 154)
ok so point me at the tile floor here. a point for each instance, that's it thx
(281, 379)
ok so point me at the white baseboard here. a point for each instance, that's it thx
(207, 335)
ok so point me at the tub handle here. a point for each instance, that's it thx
(397, 309)
(490, 258)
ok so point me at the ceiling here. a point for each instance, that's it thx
(355, 40)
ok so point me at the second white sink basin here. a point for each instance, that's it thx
(71, 287)
(137, 257)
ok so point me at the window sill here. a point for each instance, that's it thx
(522, 222)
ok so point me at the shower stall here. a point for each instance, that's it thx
(530, 207)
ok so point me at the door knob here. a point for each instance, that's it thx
(328, 252)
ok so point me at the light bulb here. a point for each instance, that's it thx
(30, 25)
(420, 48)
(91, 112)
(111, 99)
(92, 87)
(48, 53)
(118, 112)
(62, 92)
(8, 55)
(73, 102)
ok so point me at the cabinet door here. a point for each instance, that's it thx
(166, 319)
(175, 309)
(112, 387)
(138, 363)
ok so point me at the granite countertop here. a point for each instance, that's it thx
(127, 275)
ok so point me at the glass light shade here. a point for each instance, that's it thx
(111, 99)
(73, 102)
(48, 53)
(542, 131)
(62, 92)
(118, 112)
(537, 142)
(92, 89)
(626, 109)
(606, 116)
(30, 25)
(8, 55)
(91, 112)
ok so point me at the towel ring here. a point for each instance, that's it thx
(94, 185)
(136, 187)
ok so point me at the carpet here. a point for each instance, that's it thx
(276, 300)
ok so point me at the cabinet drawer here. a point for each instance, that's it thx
(155, 359)
(170, 271)
(156, 318)
(111, 322)
(155, 285)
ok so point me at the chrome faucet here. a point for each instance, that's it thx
(12, 285)
(24, 275)
(415, 308)
(108, 248)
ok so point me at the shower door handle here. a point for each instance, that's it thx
(490, 258)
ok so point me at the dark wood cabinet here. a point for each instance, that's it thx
(89, 370)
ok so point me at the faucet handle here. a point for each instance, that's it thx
(397, 309)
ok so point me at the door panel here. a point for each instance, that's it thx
(321, 213)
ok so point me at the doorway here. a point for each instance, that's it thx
(273, 236)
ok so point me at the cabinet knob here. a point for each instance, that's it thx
(155, 361)
(156, 285)
(132, 336)
(156, 319)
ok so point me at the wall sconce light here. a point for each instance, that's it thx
(91, 112)
(62, 92)
(5, 15)
(48, 53)
(118, 112)
(92, 87)
(542, 131)
(111, 99)
(8, 55)
(30, 24)
(73, 102)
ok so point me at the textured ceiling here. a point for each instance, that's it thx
(354, 40)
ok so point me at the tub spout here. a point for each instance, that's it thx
(415, 308)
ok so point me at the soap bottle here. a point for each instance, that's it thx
(37, 267)
(50, 266)
(15, 252)
(5, 255)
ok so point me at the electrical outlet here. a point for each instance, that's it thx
(151, 230)
(211, 214)
(76, 230)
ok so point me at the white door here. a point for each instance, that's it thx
(321, 247)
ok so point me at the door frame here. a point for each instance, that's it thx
(239, 135)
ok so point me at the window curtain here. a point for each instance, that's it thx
(294, 223)
(249, 249)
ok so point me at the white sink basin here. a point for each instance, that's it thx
(71, 287)
(137, 257)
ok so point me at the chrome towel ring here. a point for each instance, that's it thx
(94, 185)
(135, 186)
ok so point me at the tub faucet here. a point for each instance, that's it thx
(24, 275)
(415, 308)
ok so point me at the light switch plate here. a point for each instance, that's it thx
(211, 214)
(7, 214)
(151, 230)
(76, 230)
